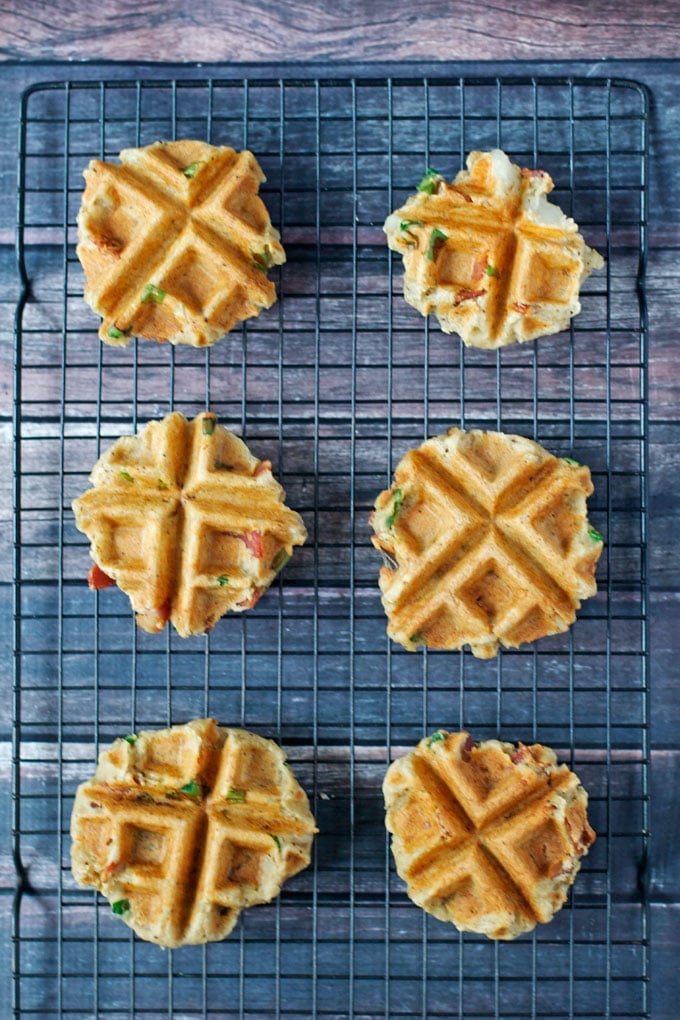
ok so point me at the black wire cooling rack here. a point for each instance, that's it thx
(332, 384)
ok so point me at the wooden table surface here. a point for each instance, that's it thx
(361, 34)
(291, 30)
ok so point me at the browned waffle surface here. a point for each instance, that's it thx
(183, 828)
(488, 836)
(486, 542)
(175, 243)
(489, 255)
(187, 522)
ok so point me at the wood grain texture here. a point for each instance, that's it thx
(294, 30)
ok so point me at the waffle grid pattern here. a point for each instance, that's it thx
(495, 832)
(212, 218)
(485, 542)
(487, 247)
(182, 517)
(242, 828)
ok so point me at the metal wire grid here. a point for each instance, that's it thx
(333, 385)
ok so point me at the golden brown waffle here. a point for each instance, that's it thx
(175, 243)
(489, 255)
(187, 522)
(486, 543)
(488, 836)
(182, 828)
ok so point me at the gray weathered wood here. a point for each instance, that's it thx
(285, 30)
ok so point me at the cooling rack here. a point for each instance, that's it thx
(332, 385)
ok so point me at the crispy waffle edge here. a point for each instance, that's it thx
(144, 480)
(167, 789)
(175, 243)
(464, 247)
(486, 835)
(444, 581)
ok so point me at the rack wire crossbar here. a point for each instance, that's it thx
(333, 384)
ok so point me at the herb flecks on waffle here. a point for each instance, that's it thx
(488, 836)
(187, 522)
(160, 833)
(486, 542)
(489, 255)
(175, 243)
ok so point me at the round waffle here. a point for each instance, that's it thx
(187, 522)
(486, 542)
(489, 255)
(176, 242)
(486, 835)
(183, 828)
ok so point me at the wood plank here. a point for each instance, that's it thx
(349, 30)
(665, 973)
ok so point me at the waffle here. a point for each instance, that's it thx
(175, 243)
(187, 522)
(489, 255)
(182, 828)
(488, 836)
(486, 543)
